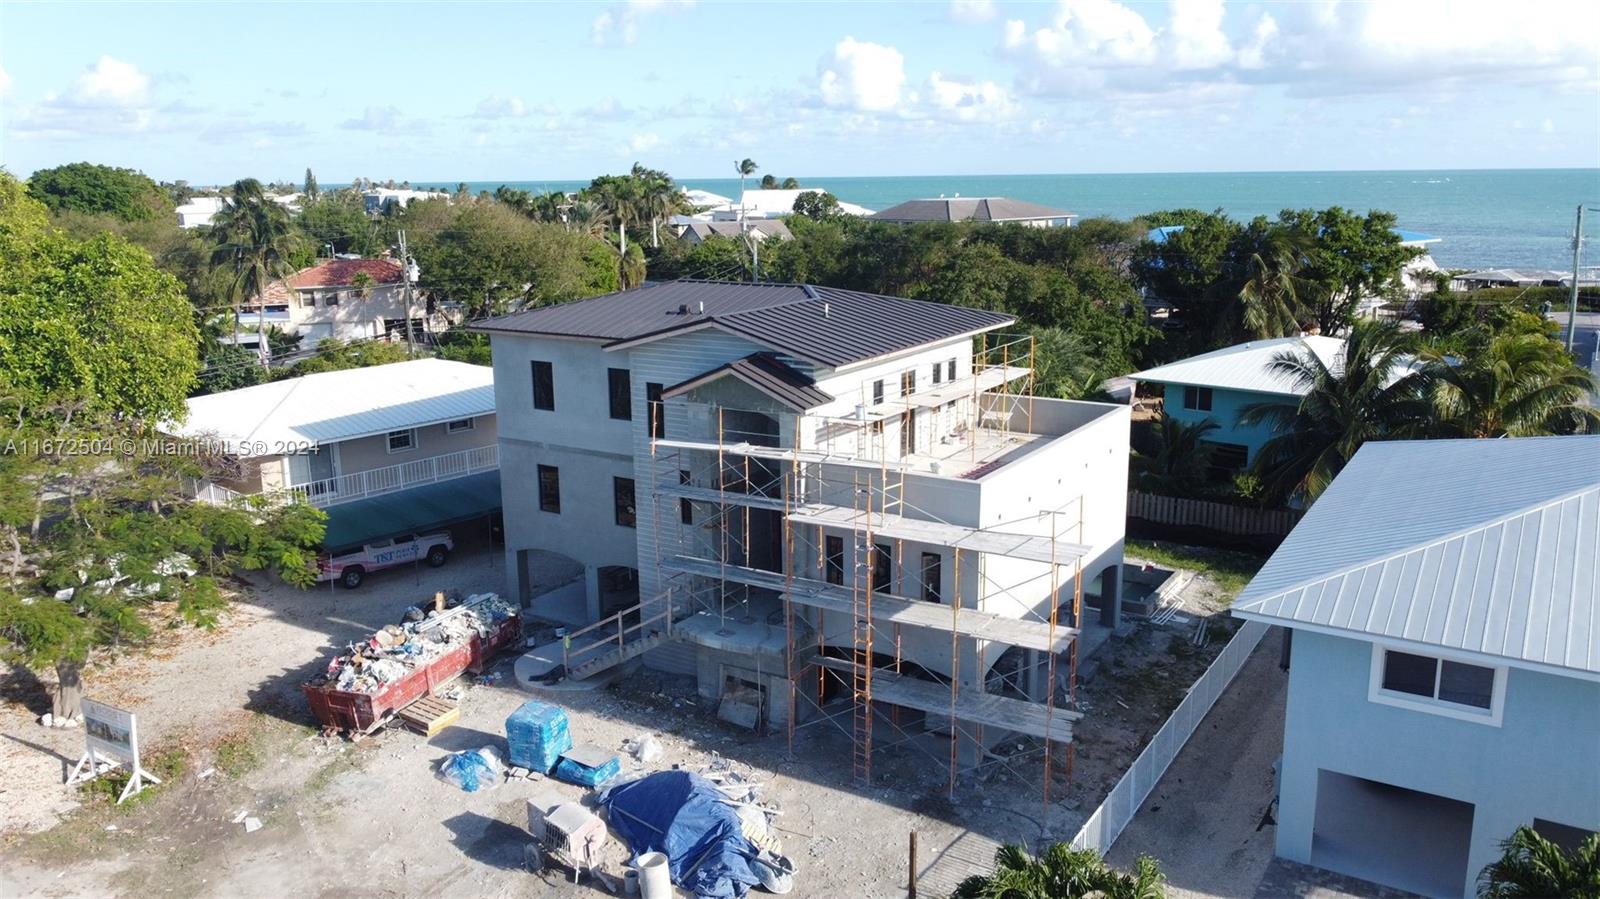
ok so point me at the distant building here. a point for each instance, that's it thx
(326, 301)
(997, 210)
(380, 199)
(759, 229)
(771, 204)
(386, 449)
(1510, 277)
(1444, 663)
(198, 212)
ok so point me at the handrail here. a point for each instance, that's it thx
(374, 481)
(568, 651)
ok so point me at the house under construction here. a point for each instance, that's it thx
(833, 508)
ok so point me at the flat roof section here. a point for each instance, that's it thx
(1000, 543)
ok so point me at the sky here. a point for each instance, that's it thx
(478, 92)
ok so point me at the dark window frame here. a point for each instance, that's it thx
(685, 505)
(932, 577)
(882, 573)
(619, 393)
(938, 373)
(877, 392)
(549, 493)
(950, 373)
(1198, 399)
(833, 559)
(908, 382)
(655, 409)
(544, 385)
(625, 513)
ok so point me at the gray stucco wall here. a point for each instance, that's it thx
(1542, 761)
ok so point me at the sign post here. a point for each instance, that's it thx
(112, 735)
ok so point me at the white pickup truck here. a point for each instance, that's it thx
(351, 567)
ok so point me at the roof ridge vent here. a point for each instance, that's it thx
(827, 310)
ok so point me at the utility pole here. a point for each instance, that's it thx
(1577, 254)
(406, 269)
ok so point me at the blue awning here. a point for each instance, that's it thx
(420, 508)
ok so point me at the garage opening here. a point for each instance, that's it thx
(1391, 835)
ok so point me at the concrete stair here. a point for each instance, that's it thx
(604, 661)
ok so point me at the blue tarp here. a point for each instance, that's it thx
(684, 816)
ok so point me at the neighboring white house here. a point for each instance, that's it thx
(1444, 670)
(381, 199)
(347, 440)
(995, 210)
(759, 229)
(782, 470)
(329, 300)
(756, 203)
(198, 212)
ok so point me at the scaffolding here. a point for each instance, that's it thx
(840, 490)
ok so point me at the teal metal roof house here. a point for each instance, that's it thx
(1219, 385)
(1444, 665)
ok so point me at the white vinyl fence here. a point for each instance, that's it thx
(1107, 822)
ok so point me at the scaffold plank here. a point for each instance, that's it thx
(1017, 546)
(971, 705)
(721, 497)
(886, 607)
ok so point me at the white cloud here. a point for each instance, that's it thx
(982, 101)
(862, 76)
(620, 23)
(498, 107)
(972, 12)
(111, 97)
(382, 119)
(1094, 47)
(111, 83)
(607, 110)
(640, 143)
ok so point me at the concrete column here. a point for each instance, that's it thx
(1111, 595)
(591, 591)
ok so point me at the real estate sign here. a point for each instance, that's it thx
(112, 735)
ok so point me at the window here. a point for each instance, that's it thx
(938, 373)
(877, 392)
(308, 299)
(932, 576)
(685, 505)
(550, 489)
(402, 441)
(655, 409)
(882, 567)
(331, 298)
(1439, 685)
(834, 550)
(622, 498)
(460, 425)
(1197, 398)
(544, 386)
(950, 370)
(908, 382)
(620, 388)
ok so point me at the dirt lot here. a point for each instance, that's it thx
(339, 816)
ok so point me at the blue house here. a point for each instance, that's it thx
(1444, 658)
(1219, 385)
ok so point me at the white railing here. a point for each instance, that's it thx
(378, 481)
(1100, 832)
(373, 482)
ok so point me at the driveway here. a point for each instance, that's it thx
(1209, 820)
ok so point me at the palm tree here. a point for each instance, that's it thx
(1370, 393)
(586, 217)
(1062, 872)
(1532, 866)
(745, 168)
(1182, 462)
(1517, 385)
(252, 241)
(1269, 301)
(659, 199)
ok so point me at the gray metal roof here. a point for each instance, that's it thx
(1489, 547)
(766, 373)
(767, 227)
(824, 325)
(1248, 366)
(969, 209)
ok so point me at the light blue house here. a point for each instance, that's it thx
(1220, 384)
(1444, 664)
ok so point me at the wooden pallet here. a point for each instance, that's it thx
(429, 715)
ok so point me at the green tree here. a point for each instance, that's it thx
(790, 184)
(745, 167)
(1349, 258)
(1270, 299)
(817, 204)
(1180, 464)
(1061, 872)
(1532, 867)
(309, 186)
(1516, 385)
(228, 367)
(339, 220)
(253, 240)
(85, 187)
(1370, 393)
(769, 182)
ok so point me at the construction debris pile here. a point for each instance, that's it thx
(398, 649)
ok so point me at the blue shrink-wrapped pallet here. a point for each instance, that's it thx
(537, 733)
(574, 772)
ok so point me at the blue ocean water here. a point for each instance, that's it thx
(1505, 217)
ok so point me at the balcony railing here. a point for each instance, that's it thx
(373, 482)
